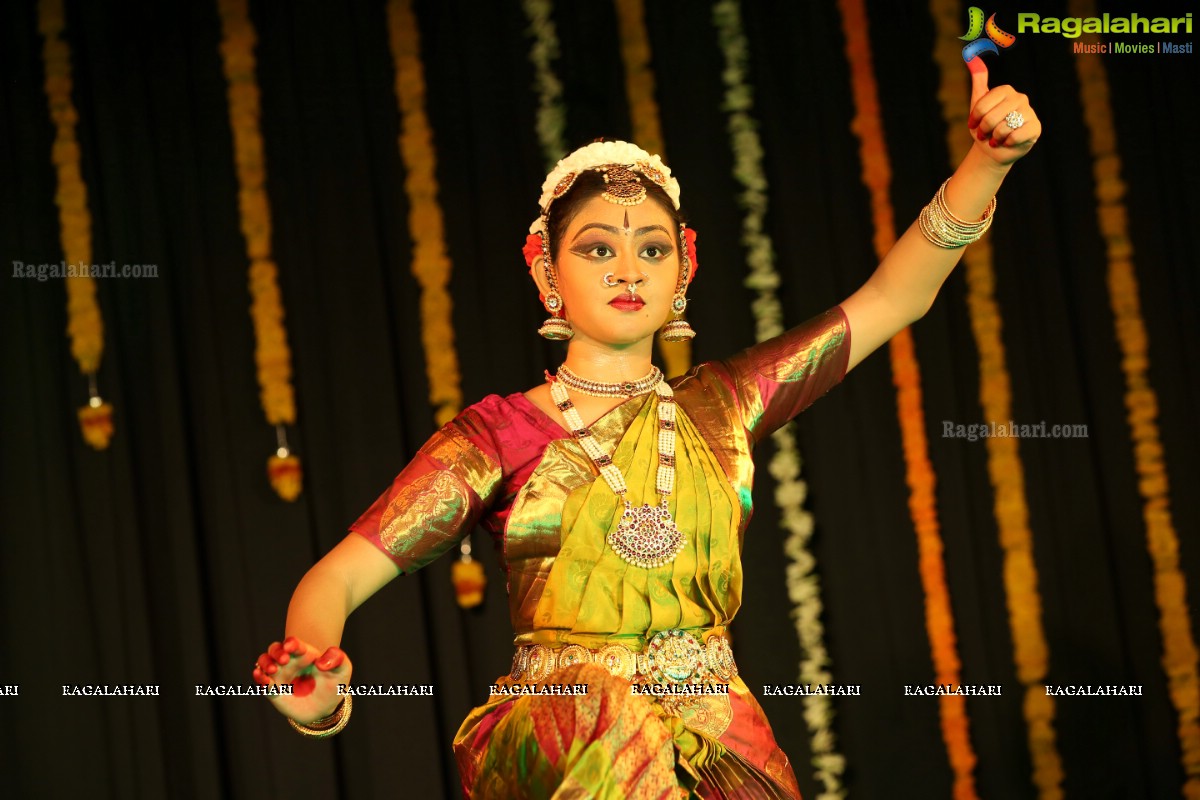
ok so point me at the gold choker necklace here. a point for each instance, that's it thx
(598, 389)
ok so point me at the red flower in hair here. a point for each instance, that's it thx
(532, 250)
(689, 234)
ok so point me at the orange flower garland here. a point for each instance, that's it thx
(647, 130)
(84, 323)
(271, 353)
(906, 375)
(1179, 658)
(1004, 461)
(430, 264)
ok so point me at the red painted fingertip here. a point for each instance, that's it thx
(260, 679)
(303, 686)
(291, 644)
(331, 659)
(994, 143)
(278, 653)
(982, 136)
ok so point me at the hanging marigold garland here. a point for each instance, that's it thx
(1030, 651)
(804, 588)
(85, 326)
(647, 130)
(906, 375)
(272, 356)
(430, 263)
(1179, 658)
(551, 114)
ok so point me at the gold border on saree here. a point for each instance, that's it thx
(671, 657)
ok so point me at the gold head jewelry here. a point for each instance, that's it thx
(621, 162)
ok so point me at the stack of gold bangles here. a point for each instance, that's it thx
(944, 229)
(327, 726)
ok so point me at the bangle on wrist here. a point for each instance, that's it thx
(943, 229)
(327, 726)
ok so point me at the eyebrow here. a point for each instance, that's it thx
(617, 231)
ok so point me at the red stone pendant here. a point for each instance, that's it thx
(646, 536)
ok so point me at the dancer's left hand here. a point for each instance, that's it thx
(994, 136)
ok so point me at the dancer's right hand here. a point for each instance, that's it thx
(314, 677)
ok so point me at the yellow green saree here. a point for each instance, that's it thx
(505, 463)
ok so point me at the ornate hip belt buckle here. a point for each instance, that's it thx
(675, 656)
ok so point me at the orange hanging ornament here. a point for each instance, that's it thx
(96, 422)
(467, 576)
(283, 469)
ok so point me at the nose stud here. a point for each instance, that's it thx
(611, 280)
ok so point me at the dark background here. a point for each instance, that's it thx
(168, 560)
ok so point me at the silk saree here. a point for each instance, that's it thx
(506, 464)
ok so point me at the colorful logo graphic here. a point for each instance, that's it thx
(996, 38)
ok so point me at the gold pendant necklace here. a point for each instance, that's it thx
(646, 536)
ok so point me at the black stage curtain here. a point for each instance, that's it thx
(168, 560)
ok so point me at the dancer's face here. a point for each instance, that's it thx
(635, 244)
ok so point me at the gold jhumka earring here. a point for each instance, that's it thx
(678, 329)
(556, 328)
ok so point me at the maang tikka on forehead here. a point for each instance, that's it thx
(621, 185)
(623, 166)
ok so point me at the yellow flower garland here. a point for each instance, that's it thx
(1179, 658)
(647, 130)
(906, 376)
(430, 264)
(272, 355)
(1004, 462)
(85, 326)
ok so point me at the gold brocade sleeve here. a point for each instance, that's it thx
(777, 379)
(436, 500)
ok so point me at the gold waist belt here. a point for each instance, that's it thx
(671, 657)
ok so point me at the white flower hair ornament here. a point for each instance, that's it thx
(616, 160)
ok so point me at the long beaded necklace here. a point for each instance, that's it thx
(646, 536)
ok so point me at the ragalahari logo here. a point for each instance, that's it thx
(996, 38)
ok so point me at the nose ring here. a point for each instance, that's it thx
(611, 281)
